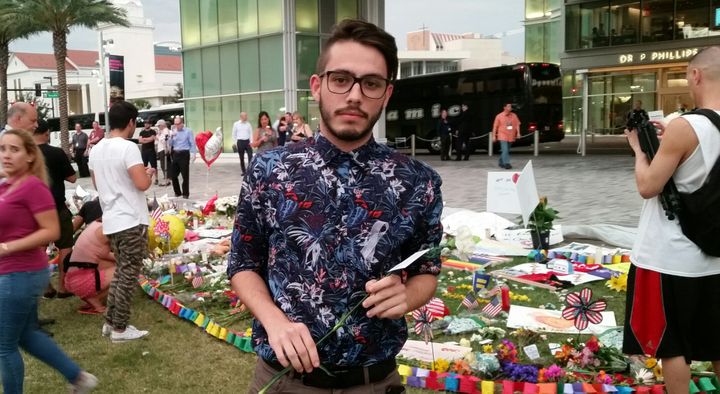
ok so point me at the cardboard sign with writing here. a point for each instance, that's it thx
(502, 193)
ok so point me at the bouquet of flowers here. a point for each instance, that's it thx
(227, 205)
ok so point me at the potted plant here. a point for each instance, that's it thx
(540, 223)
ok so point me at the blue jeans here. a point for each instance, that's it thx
(504, 153)
(19, 294)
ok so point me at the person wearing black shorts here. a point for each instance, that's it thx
(59, 171)
(147, 139)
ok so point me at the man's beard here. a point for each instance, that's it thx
(348, 135)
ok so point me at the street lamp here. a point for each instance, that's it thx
(52, 100)
(103, 55)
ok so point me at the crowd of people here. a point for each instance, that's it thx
(345, 209)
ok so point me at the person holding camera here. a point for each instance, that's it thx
(637, 116)
(672, 282)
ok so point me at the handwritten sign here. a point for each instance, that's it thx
(502, 193)
(656, 116)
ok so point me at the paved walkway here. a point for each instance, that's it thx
(598, 188)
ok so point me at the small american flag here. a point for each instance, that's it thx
(156, 214)
(493, 307)
(436, 307)
(470, 301)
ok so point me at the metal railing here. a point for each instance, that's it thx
(413, 138)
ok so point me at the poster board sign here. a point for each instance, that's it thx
(546, 320)
(502, 193)
(419, 350)
(512, 192)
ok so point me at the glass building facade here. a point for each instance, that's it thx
(256, 55)
(620, 51)
(543, 31)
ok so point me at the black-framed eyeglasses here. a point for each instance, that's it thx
(371, 86)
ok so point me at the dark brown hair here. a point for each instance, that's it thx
(364, 33)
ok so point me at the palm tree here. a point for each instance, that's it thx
(11, 28)
(58, 16)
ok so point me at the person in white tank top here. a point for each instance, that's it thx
(663, 258)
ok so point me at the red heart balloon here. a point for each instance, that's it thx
(515, 177)
(201, 139)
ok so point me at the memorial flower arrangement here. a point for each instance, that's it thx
(227, 205)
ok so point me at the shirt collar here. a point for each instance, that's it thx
(329, 152)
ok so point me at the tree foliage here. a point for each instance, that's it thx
(57, 17)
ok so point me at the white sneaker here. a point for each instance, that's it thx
(84, 383)
(130, 333)
(106, 330)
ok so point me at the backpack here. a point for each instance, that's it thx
(700, 217)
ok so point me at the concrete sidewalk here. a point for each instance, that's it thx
(597, 188)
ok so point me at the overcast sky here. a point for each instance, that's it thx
(401, 16)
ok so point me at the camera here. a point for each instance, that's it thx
(635, 120)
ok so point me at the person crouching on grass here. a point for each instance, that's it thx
(90, 268)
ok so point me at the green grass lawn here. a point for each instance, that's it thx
(178, 357)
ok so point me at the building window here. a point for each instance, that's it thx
(306, 16)
(251, 104)
(190, 19)
(271, 63)
(405, 70)
(192, 73)
(552, 46)
(611, 97)
(194, 114)
(417, 68)
(230, 114)
(624, 21)
(247, 18)
(270, 16)
(308, 51)
(715, 16)
(657, 20)
(534, 42)
(229, 73)
(227, 19)
(346, 9)
(691, 19)
(534, 9)
(211, 71)
(433, 67)
(327, 15)
(450, 66)
(249, 66)
(273, 103)
(586, 25)
(213, 114)
(209, 21)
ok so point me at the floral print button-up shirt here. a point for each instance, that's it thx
(317, 223)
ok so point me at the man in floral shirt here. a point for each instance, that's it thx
(320, 223)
